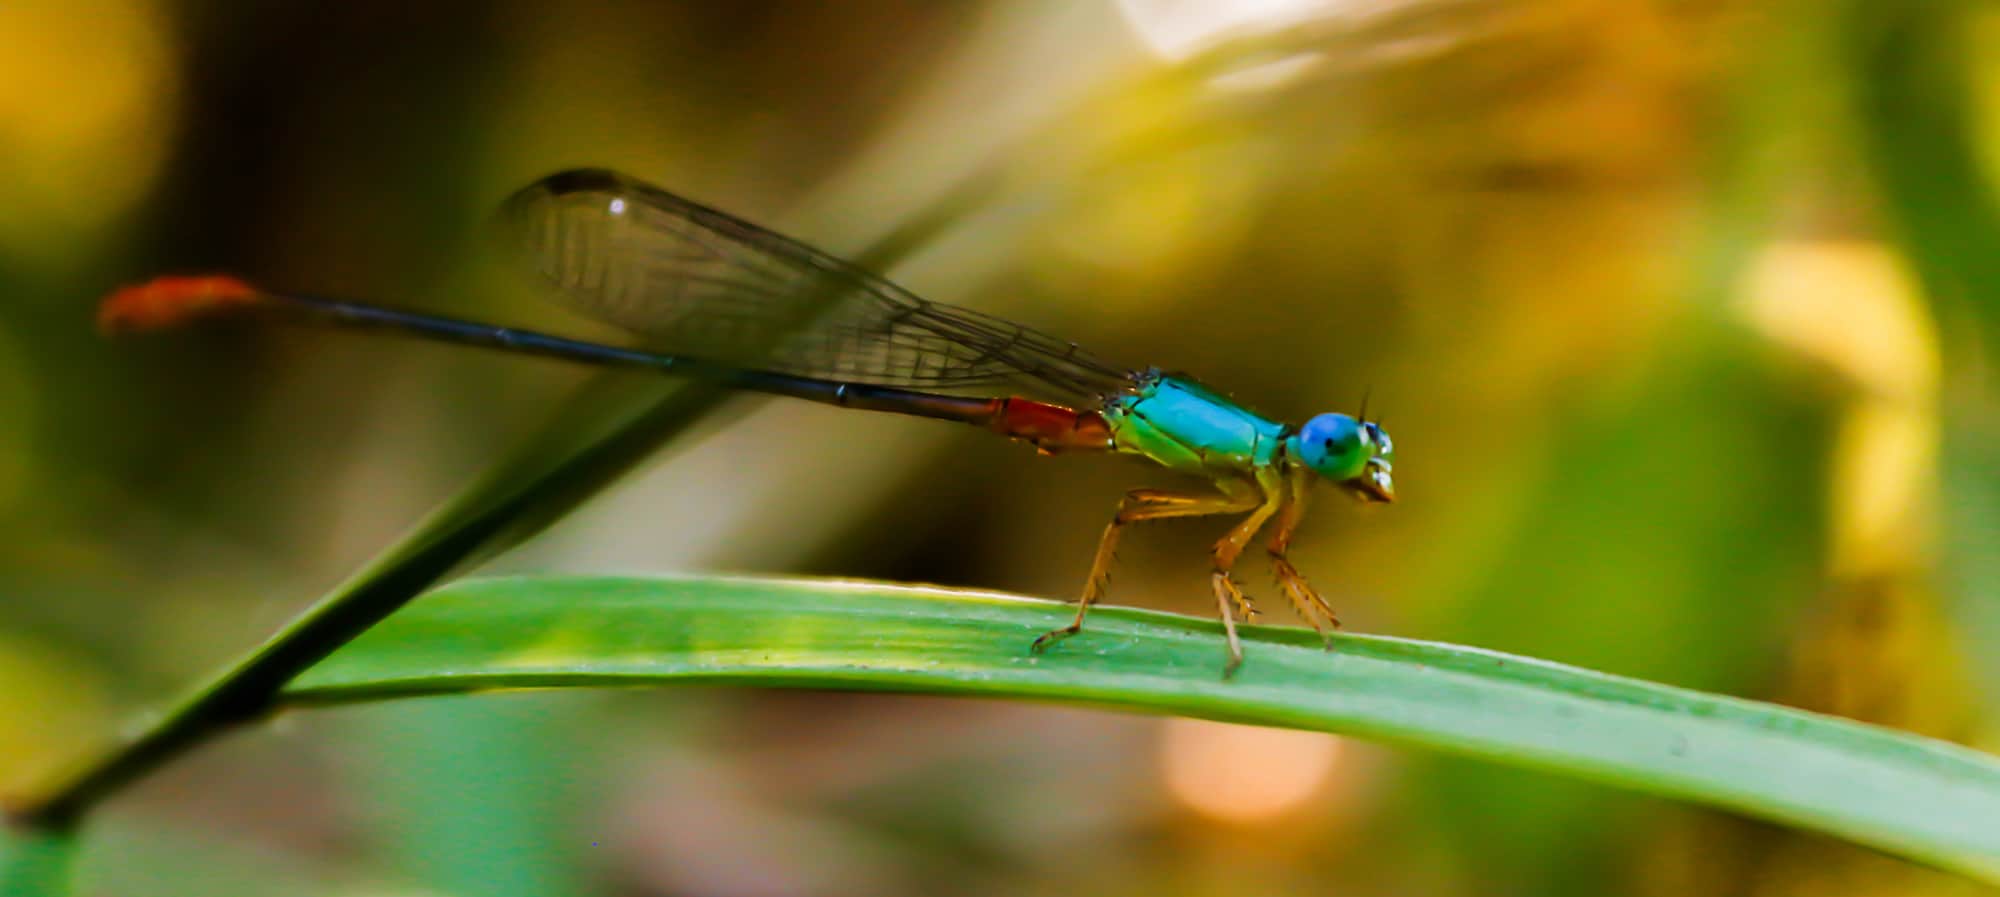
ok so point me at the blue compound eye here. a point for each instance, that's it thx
(1333, 446)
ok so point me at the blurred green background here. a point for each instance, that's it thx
(1648, 293)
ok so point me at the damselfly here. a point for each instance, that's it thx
(714, 297)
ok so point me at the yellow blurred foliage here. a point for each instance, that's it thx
(1876, 645)
(1849, 306)
(51, 712)
(87, 104)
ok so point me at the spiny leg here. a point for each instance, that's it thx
(1305, 599)
(1138, 505)
(1228, 595)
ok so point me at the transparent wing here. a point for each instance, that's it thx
(695, 281)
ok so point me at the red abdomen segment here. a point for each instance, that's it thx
(1050, 428)
(169, 301)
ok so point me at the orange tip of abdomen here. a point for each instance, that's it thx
(168, 301)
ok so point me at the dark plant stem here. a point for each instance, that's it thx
(247, 690)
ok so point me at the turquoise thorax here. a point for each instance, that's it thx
(1182, 425)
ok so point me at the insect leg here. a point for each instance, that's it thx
(1138, 505)
(1305, 599)
(1228, 595)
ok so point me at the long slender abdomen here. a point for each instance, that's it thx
(171, 301)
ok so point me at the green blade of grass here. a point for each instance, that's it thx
(1923, 799)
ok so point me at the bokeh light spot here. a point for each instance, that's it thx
(1244, 774)
(1176, 29)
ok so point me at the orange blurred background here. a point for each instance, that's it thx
(1669, 398)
